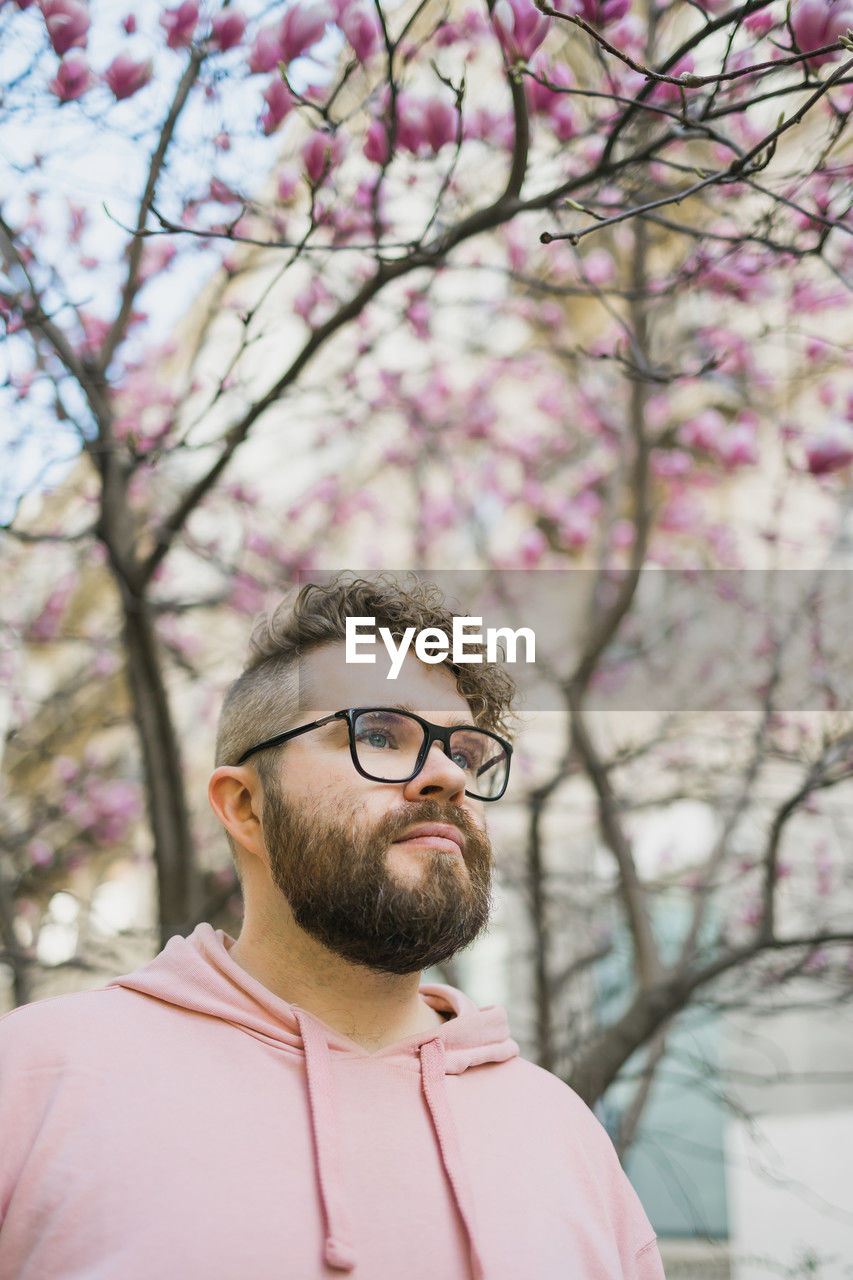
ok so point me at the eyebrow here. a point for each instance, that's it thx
(458, 722)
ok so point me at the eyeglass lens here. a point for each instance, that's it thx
(388, 743)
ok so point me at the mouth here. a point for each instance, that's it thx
(434, 835)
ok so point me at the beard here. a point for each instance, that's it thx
(336, 881)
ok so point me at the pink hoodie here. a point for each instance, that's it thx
(186, 1123)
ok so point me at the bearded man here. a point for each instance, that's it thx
(294, 1103)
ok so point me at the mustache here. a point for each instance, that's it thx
(393, 825)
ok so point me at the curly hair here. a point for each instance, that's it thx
(264, 696)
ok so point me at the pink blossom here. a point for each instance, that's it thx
(533, 547)
(126, 77)
(489, 126)
(104, 664)
(671, 92)
(129, 24)
(67, 23)
(279, 102)
(65, 769)
(77, 219)
(376, 147)
(321, 153)
(622, 535)
(418, 315)
(598, 13)
(309, 302)
(73, 77)
(437, 513)
(576, 528)
(679, 515)
(816, 23)
(670, 464)
(440, 121)
(361, 27)
(760, 23)
(300, 28)
(831, 450)
(519, 27)
(265, 53)
(541, 99)
(180, 24)
(563, 118)
(112, 807)
(156, 257)
(425, 127)
(39, 853)
(288, 181)
(47, 625)
(227, 29)
(410, 123)
(737, 446)
(599, 267)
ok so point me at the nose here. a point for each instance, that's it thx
(439, 778)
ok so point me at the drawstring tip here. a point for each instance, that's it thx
(338, 1255)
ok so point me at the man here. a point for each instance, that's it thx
(292, 1104)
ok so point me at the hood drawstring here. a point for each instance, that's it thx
(433, 1079)
(338, 1252)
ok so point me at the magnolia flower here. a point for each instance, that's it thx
(831, 450)
(180, 24)
(360, 25)
(425, 126)
(300, 28)
(227, 29)
(279, 102)
(599, 12)
(126, 77)
(265, 52)
(440, 124)
(816, 23)
(321, 153)
(73, 77)
(376, 143)
(67, 23)
(520, 28)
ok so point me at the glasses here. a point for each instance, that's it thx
(392, 746)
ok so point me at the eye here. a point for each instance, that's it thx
(379, 735)
(462, 759)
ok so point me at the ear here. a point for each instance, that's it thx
(234, 793)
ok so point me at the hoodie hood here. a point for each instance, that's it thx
(198, 974)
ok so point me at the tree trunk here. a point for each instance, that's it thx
(13, 953)
(177, 876)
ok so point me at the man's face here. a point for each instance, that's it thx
(395, 876)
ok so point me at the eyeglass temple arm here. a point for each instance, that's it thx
(281, 738)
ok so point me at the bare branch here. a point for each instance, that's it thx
(119, 325)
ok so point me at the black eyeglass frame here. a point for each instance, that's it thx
(433, 733)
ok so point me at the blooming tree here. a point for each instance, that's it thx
(512, 285)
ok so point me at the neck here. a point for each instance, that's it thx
(373, 1009)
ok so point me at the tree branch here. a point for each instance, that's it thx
(119, 325)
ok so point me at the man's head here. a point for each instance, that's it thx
(394, 875)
